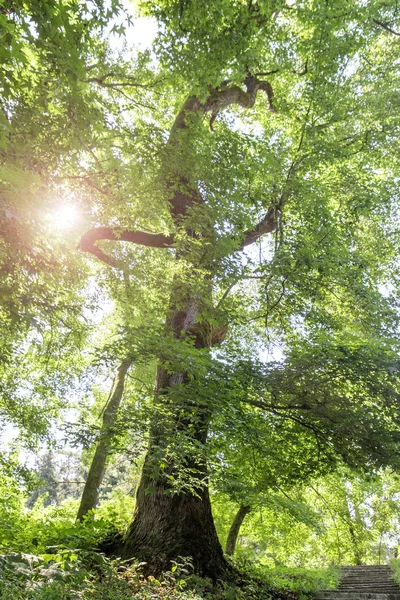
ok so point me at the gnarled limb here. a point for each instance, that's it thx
(221, 98)
(89, 239)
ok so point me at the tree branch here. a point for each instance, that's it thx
(218, 100)
(266, 225)
(264, 406)
(386, 26)
(89, 239)
(221, 98)
(235, 95)
(266, 73)
(126, 81)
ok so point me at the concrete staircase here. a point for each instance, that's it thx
(373, 582)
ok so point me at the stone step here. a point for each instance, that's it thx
(337, 595)
(387, 583)
(387, 575)
(367, 574)
(364, 582)
(372, 580)
(350, 580)
(359, 570)
(360, 596)
(364, 571)
(362, 575)
(367, 582)
(359, 573)
(368, 588)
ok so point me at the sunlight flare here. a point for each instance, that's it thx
(65, 216)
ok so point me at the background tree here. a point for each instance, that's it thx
(90, 494)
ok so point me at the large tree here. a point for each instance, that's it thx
(301, 98)
(250, 119)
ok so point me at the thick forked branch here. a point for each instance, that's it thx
(89, 239)
(266, 225)
(221, 98)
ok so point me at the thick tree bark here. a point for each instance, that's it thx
(170, 523)
(235, 528)
(90, 495)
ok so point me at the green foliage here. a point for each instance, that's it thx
(87, 125)
(303, 582)
(395, 566)
(95, 577)
(51, 529)
(340, 518)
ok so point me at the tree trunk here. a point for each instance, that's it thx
(235, 528)
(170, 521)
(173, 521)
(169, 526)
(357, 551)
(97, 469)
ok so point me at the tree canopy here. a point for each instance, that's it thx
(235, 194)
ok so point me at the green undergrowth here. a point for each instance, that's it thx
(395, 566)
(304, 582)
(67, 574)
(33, 531)
(46, 555)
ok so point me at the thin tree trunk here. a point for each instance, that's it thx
(235, 528)
(357, 551)
(90, 496)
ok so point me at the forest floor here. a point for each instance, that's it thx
(94, 577)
